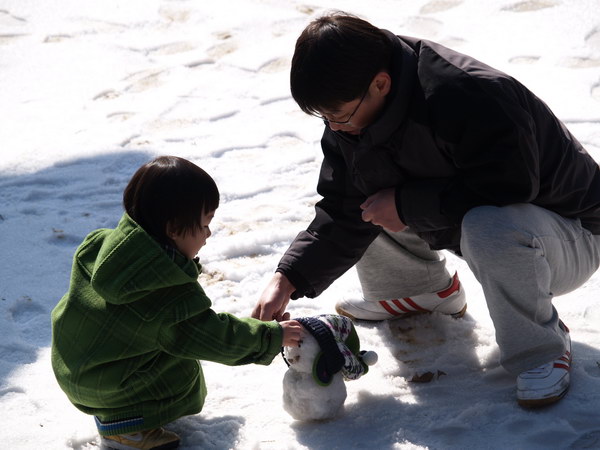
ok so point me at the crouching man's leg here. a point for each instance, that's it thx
(523, 256)
(401, 275)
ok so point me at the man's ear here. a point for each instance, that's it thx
(381, 84)
(170, 231)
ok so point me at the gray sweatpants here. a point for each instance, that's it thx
(400, 265)
(522, 255)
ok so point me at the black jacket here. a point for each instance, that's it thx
(454, 134)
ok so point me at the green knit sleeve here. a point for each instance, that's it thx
(222, 338)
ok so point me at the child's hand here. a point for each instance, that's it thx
(292, 333)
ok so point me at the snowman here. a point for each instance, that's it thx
(314, 385)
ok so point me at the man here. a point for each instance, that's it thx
(428, 149)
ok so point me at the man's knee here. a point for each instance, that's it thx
(487, 230)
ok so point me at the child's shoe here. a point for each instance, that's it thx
(156, 439)
(547, 383)
(450, 301)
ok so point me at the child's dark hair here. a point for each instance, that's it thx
(170, 190)
(335, 59)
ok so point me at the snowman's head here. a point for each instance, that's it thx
(302, 358)
(329, 346)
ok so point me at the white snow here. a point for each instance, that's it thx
(90, 90)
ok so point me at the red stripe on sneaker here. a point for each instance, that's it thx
(400, 306)
(453, 287)
(411, 302)
(389, 309)
(564, 362)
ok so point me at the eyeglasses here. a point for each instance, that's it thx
(342, 122)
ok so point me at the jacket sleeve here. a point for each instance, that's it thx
(336, 238)
(193, 330)
(493, 147)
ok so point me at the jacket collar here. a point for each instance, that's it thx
(403, 72)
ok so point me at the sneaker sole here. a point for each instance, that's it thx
(457, 315)
(341, 312)
(110, 444)
(540, 403)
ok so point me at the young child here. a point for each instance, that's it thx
(127, 336)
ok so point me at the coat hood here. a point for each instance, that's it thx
(125, 264)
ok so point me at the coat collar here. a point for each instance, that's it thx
(403, 72)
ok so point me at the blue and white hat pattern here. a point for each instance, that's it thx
(340, 346)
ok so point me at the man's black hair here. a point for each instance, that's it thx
(335, 59)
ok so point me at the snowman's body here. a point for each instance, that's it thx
(303, 398)
(314, 386)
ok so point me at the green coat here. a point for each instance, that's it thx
(127, 336)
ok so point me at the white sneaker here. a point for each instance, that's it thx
(547, 383)
(451, 301)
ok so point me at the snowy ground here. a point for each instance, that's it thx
(89, 90)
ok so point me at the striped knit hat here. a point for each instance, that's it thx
(340, 348)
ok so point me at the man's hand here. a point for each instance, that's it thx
(274, 299)
(380, 209)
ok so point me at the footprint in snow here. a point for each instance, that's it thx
(171, 49)
(583, 62)
(306, 9)
(145, 80)
(120, 116)
(173, 14)
(596, 92)
(7, 18)
(10, 37)
(439, 5)
(222, 49)
(55, 38)
(25, 308)
(533, 5)
(60, 238)
(424, 26)
(590, 440)
(524, 59)
(108, 94)
(428, 345)
(593, 39)
(275, 65)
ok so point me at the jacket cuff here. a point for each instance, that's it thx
(276, 340)
(397, 199)
(302, 287)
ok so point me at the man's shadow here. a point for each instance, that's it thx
(444, 396)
